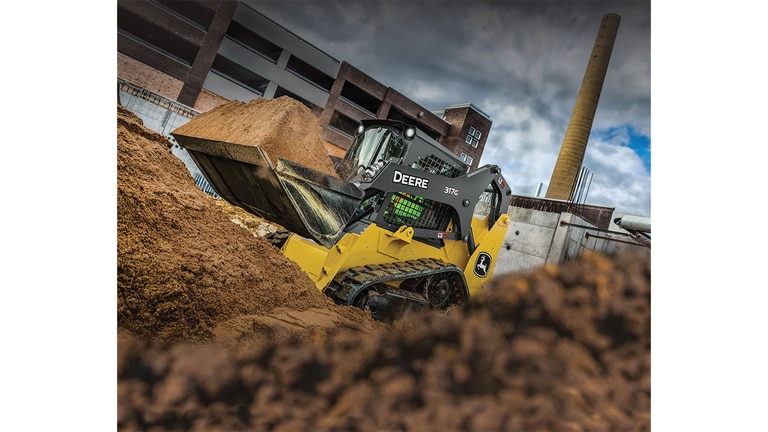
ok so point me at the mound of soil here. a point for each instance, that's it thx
(218, 331)
(283, 127)
(185, 271)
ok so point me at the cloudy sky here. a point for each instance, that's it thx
(521, 62)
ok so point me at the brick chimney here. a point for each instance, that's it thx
(577, 134)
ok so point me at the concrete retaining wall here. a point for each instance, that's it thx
(537, 237)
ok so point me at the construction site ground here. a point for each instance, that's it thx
(216, 330)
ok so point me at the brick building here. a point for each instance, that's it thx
(202, 53)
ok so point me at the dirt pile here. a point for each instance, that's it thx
(283, 127)
(544, 351)
(256, 225)
(185, 271)
(218, 331)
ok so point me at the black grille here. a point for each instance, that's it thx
(417, 212)
(435, 165)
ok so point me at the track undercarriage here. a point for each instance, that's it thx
(391, 290)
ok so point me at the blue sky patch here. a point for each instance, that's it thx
(627, 136)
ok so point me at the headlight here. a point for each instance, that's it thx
(410, 133)
(372, 170)
(360, 129)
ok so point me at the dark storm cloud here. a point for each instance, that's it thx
(521, 62)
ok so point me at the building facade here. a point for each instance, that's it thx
(203, 53)
(468, 131)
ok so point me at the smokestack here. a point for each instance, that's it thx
(577, 134)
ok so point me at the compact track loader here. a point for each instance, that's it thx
(405, 226)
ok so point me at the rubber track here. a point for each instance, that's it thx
(347, 285)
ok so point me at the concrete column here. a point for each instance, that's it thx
(282, 62)
(333, 95)
(193, 83)
(269, 92)
(577, 134)
(386, 104)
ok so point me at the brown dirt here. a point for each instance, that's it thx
(283, 127)
(185, 271)
(218, 331)
(256, 225)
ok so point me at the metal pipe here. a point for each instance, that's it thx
(635, 223)
(588, 186)
(648, 245)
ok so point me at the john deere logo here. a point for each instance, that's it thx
(482, 265)
(409, 180)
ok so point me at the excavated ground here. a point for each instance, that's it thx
(218, 331)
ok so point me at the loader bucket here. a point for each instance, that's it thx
(301, 199)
